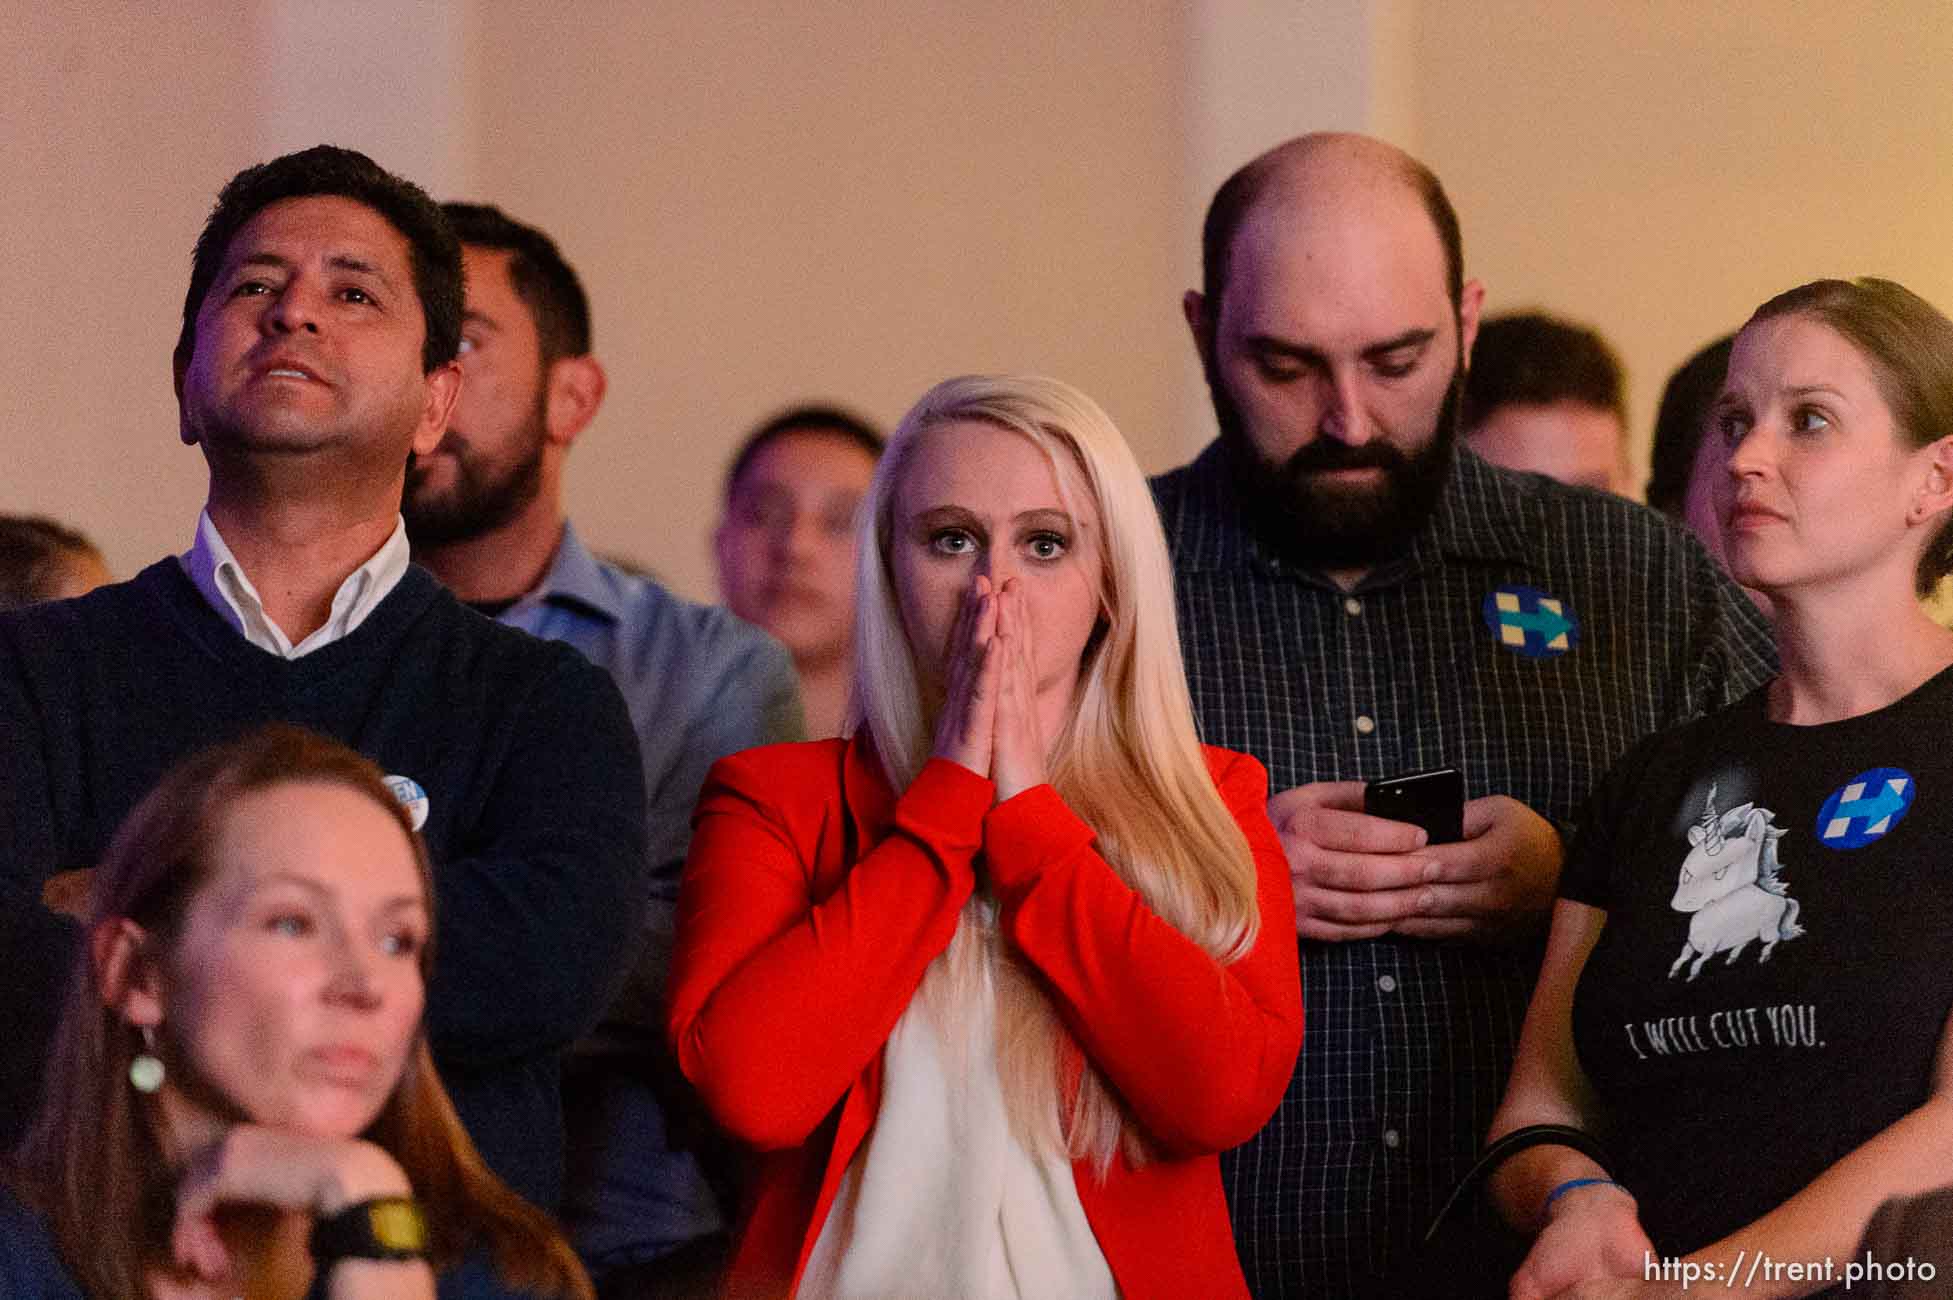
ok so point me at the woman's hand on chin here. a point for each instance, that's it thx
(964, 729)
(277, 1168)
(1018, 751)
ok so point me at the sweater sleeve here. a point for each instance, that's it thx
(26, 794)
(39, 945)
(779, 1000)
(535, 909)
(1200, 1051)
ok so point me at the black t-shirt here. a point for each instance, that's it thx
(1777, 964)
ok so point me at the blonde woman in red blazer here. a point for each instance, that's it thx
(990, 983)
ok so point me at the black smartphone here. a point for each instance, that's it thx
(1434, 800)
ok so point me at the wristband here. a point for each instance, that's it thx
(386, 1228)
(1503, 1150)
(1572, 1183)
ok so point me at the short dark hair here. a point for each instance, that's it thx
(1680, 423)
(33, 549)
(1239, 193)
(544, 281)
(810, 418)
(1909, 343)
(432, 250)
(1535, 359)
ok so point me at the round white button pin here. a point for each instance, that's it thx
(411, 797)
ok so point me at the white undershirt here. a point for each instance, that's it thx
(941, 1201)
(224, 584)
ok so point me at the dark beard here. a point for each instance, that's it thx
(1315, 525)
(483, 497)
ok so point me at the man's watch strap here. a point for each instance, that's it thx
(385, 1228)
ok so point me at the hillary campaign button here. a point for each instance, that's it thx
(1866, 808)
(411, 797)
(1527, 621)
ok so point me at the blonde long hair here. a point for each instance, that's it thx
(1127, 760)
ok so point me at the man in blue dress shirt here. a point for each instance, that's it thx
(485, 513)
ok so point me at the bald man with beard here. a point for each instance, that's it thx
(1360, 597)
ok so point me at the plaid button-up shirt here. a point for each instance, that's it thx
(1528, 636)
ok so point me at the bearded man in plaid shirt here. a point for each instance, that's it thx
(1360, 598)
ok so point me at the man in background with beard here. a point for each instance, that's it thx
(484, 512)
(1360, 598)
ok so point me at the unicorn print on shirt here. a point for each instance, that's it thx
(1731, 884)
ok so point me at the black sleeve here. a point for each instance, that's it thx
(39, 947)
(1600, 838)
(533, 921)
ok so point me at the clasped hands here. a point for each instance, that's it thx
(1356, 876)
(989, 721)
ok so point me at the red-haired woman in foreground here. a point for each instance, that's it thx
(240, 1100)
(991, 983)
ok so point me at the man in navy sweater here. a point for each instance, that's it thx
(318, 350)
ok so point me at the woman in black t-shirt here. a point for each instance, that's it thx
(1744, 995)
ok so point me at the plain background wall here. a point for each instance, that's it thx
(1660, 168)
(120, 123)
(830, 199)
(768, 203)
(850, 201)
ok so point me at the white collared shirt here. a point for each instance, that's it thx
(222, 580)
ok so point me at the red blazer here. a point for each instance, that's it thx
(814, 900)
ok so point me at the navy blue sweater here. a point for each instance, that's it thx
(535, 813)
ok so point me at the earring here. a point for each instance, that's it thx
(146, 1071)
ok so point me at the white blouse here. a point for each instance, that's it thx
(941, 1201)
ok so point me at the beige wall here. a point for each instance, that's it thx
(1261, 71)
(123, 118)
(120, 122)
(845, 200)
(1661, 168)
(771, 202)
